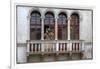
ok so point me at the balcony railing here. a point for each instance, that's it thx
(54, 46)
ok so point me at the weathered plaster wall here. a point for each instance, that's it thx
(21, 53)
(22, 24)
(86, 26)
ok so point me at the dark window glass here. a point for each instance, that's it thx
(49, 26)
(74, 27)
(35, 26)
(62, 26)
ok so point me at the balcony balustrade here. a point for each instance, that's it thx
(54, 46)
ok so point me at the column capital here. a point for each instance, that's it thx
(69, 18)
(42, 17)
(56, 17)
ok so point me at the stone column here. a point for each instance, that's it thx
(56, 28)
(42, 28)
(42, 32)
(56, 31)
(68, 25)
(69, 43)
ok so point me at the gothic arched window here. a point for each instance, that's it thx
(74, 27)
(62, 26)
(35, 26)
(49, 26)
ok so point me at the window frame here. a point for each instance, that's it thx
(74, 33)
(35, 25)
(63, 20)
